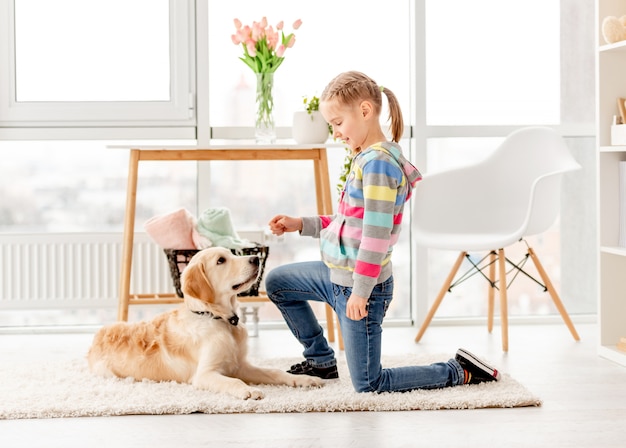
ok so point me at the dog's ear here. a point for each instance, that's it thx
(196, 284)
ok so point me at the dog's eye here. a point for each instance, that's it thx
(221, 260)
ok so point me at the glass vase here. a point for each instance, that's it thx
(264, 132)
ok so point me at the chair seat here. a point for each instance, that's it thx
(465, 241)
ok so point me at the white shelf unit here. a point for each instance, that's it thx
(610, 85)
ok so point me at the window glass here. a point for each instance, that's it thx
(76, 50)
(80, 186)
(123, 67)
(326, 44)
(487, 65)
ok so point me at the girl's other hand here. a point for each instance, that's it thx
(356, 308)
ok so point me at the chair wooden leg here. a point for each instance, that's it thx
(339, 335)
(442, 293)
(330, 323)
(491, 292)
(504, 312)
(555, 297)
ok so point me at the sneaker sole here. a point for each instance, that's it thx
(479, 363)
(334, 378)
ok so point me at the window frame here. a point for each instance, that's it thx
(577, 120)
(175, 118)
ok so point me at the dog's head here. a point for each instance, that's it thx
(214, 277)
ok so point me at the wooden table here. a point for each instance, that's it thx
(316, 153)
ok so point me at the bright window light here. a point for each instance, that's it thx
(492, 62)
(77, 50)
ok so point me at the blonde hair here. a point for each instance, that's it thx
(353, 87)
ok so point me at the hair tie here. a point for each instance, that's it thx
(382, 89)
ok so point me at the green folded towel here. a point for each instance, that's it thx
(215, 224)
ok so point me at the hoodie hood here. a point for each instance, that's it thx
(410, 171)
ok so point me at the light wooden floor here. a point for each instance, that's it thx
(584, 401)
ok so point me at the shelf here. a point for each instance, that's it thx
(614, 250)
(613, 148)
(610, 85)
(611, 353)
(610, 48)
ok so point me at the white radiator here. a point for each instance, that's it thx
(75, 270)
(79, 270)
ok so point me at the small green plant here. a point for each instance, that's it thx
(311, 104)
(345, 169)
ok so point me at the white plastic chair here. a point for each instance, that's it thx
(487, 206)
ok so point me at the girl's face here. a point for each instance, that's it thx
(347, 121)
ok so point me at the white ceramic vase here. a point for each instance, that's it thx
(309, 128)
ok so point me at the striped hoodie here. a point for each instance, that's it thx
(356, 243)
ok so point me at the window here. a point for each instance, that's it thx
(80, 186)
(486, 71)
(326, 45)
(62, 178)
(97, 64)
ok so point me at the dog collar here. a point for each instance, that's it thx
(233, 320)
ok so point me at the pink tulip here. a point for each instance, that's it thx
(239, 37)
(250, 45)
(272, 38)
(257, 32)
(264, 45)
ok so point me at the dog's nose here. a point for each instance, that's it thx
(254, 260)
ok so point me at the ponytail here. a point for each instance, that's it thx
(395, 115)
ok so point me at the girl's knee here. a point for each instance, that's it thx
(275, 281)
(361, 389)
(364, 385)
(271, 284)
(280, 277)
(269, 280)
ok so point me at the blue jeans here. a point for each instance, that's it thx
(290, 287)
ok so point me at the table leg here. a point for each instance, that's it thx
(129, 233)
(322, 185)
(325, 207)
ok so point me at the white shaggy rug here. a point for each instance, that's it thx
(68, 389)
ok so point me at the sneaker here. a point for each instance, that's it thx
(306, 368)
(476, 370)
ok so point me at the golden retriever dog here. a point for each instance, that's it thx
(200, 343)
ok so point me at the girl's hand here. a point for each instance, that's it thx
(280, 224)
(356, 308)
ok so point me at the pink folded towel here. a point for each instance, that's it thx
(176, 230)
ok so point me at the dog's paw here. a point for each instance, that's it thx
(251, 393)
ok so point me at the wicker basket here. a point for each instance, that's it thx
(179, 258)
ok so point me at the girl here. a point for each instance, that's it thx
(355, 274)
